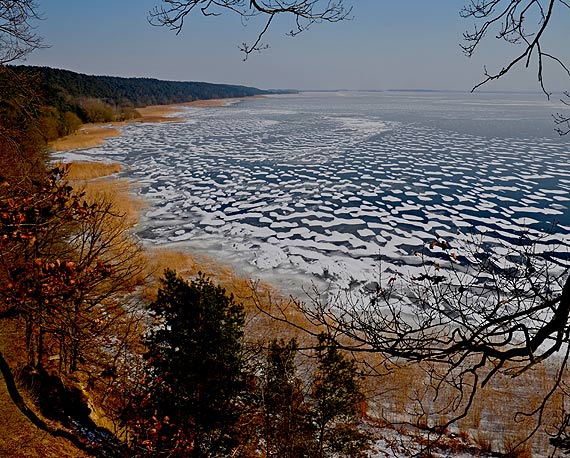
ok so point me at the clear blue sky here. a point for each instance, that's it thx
(387, 44)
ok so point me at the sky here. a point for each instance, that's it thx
(387, 44)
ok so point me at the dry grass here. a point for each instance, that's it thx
(161, 110)
(211, 102)
(19, 438)
(261, 301)
(93, 178)
(116, 191)
(92, 135)
(89, 136)
(81, 171)
(405, 395)
(158, 113)
(163, 113)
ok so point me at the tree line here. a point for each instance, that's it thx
(69, 98)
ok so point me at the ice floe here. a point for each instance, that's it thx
(323, 191)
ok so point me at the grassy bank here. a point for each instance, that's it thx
(92, 135)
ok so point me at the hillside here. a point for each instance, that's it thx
(63, 89)
(66, 99)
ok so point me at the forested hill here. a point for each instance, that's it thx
(69, 99)
(62, 87)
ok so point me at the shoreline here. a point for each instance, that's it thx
(93, 135)
(100, 178)
(258, 296)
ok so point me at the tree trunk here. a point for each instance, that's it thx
(30, 414)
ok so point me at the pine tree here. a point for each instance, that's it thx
(319, 422)
(287, 433)
(194, 375)
(337, 397)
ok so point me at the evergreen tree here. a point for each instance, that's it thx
(194, 375)
(337, 400)
(287, 433)
(316, 423)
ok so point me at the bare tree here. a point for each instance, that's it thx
(468, 316)
(525, 24)
(305, 13)
(17, 34)
(67, 269)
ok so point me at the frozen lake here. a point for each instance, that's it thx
(322, 186)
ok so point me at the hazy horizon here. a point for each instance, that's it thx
(396, 45)
(339, 89)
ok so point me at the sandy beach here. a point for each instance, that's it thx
(91, 135)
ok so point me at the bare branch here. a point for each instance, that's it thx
(521, 23)
(562, 121)
(17, 34)
(512, 21)
(461, 316)
(173, 14)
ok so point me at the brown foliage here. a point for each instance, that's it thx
(97, 111)
(21, 140)
(66, 265)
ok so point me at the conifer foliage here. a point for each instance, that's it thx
(337, 398)
(195, 371)
(286, 431)
(314, 417)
